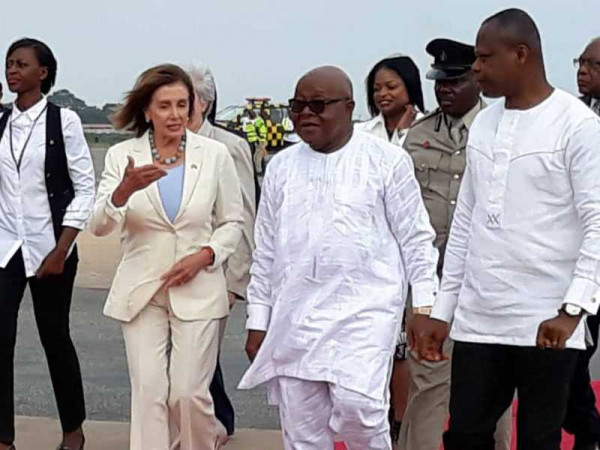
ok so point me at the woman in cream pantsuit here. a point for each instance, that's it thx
(176, 199)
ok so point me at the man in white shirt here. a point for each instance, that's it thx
(438, 145)
(522, 264)
(341, 231)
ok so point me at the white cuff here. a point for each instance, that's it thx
(258, 318)
(584, 293)
(73, 223)
(444, 306)
(116, 213)
(423, 294)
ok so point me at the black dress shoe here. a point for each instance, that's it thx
(395, 431)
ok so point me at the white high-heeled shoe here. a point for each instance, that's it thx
(222, 437)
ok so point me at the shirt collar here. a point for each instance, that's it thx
(32, 113)
(379, 121)
(469, 117)
(375, 122)
(206, 129)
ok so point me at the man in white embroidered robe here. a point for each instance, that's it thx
(341, 233)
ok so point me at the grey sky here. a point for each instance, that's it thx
(261, 47)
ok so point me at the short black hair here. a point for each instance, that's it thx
(518, 26)
(406, 69)
(44, 56)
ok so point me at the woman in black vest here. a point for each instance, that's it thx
(46, 196)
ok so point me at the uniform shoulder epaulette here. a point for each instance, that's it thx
(430, 115)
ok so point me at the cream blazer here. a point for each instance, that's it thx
(210, 214)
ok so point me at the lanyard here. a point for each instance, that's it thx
(12, 150)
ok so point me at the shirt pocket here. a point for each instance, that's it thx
(355, 197)
(555, 155)
(353, 215)
(426, 162)
(542, 168)
(545, 162)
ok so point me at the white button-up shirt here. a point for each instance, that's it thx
(526, 232)
(338, 237)
(25, 217)
(376, 127)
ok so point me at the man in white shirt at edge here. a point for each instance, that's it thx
(523, 260)
(341, 231)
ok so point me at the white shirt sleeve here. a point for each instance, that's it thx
(583, 163)
(106, 217)
(409, 222)
(456, 252)
(81, 170)
(260, 299)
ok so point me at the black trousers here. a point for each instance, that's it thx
(484, 380)
(223, 407)
(582, 418)
(51, 304)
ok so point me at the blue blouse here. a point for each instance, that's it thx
(171, 190)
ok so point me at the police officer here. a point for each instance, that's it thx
(437, 144)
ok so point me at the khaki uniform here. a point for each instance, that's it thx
(437, 143)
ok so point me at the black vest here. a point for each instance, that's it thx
(58, 181)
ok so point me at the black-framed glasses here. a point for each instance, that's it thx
(316, 106)
(591, 64)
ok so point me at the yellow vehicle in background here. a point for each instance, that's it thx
(280, 130)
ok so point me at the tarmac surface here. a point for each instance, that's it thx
(99, 342)
(40, 433)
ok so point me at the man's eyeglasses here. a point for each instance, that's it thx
(591, 64)
(316, 106)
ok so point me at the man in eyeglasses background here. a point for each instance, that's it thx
(588, 75)
(582, 418)
(341, 231)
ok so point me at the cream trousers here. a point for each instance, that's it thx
(171, 364)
